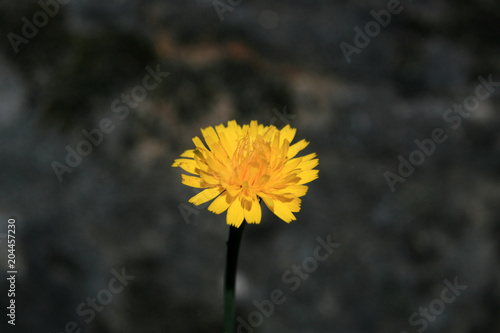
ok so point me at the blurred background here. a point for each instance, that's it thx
(107, 242)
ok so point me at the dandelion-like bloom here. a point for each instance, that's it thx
(245, 164)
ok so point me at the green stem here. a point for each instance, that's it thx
(233, 246)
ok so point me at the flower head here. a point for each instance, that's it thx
(242, 165)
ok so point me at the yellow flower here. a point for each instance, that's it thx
(245, 164)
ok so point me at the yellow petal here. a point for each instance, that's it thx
(269, 133)
(308, 164)
(198, 143)
(233, 190)
(188, 153)
(254, 128)
(235, 213)
(291, 165)
(186, 164)
(245, 128)
(276, 141)
(252, 211)
(228, 139)
(210, 136)
(296, 190)
(261, 129)
(209, 178)
(200, 160)
(220, 154)
(214, 163)
(307, 176)
(233, 127)
(252, 172)
(206, 195)
(221, 203)
(293, 204)
(308, 157)
(267, 200)
(294, 149)
(263, 180)
(280, 210)
(192, 181)
(290, 179)
(287, 133)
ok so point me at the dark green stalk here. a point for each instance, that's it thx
(233, 246)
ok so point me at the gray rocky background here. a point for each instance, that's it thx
(275, 62)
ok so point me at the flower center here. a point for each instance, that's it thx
(254, 161)
(250, 161)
